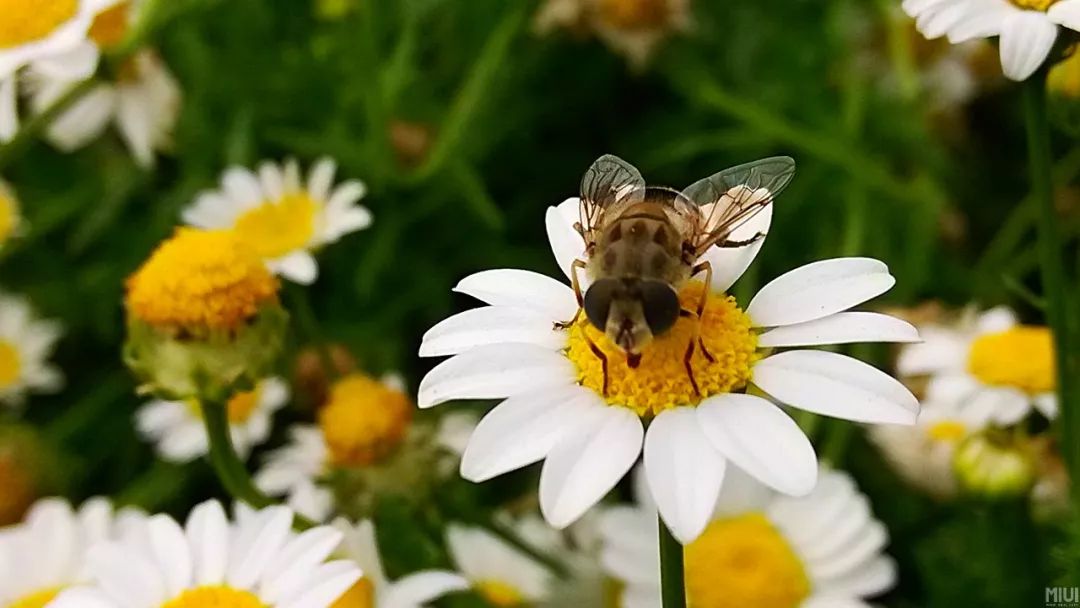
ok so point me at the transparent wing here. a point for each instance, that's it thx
(731, 197)
(609, 180)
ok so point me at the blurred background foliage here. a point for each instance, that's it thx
(466, 125)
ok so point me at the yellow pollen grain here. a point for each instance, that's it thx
(1020, 357)
(635, 14)
(1034, 5)
(38, 599)
(661, 381)
(363, 421)
(499, 593)
(24, 22)
(110, 26)
(10, 364)
(947, 430)
(276, 228)
(215, 597)
(200, 280)
(360, 595)
(744, 561)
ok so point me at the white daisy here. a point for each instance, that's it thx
(762, 549)
(253, 562)
(1027, 28)
(47, 552)
(33, 31)
(177, 427)
(25, 345)
(374, 590)
(280, 217)
(499, 573)
(988, 358)
(632, 28)
(557, 410)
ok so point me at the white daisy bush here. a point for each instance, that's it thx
(588, 424)
(26, 343)
(282, 216)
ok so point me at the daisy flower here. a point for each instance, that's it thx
(375, 590)
(823, 550)
(632, 28)
(556, 408)
(33, 31)
(497, 572)
(178, 430)
(47, 553)
(256, 560)
(25, 345)
(988, 358)
(1027, 29)
(284, 220)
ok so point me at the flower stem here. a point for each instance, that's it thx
(1054, 280)
(36, 125)
(227, 465)
(512, 538)
(672, 582)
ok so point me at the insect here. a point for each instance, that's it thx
(643, 243)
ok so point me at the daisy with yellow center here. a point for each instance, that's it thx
(497, 572)
(179, 433)
(632, 28)
(760, 549)
(990, 360)
(556, 408)
(375, 590)
(32, 31)
(26, 343)
(282, 218)
(47, 553)
(256, 561)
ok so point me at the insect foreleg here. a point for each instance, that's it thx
(601, 356)
(735, 244)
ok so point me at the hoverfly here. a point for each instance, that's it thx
(643, 243)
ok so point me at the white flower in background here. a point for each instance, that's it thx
(374, 590)
(1027, 29)
(177, 428)
(256, 561)
(577, 548)
(283, 219)
(556, 409)
(10, 217)
(25, 345)
(1004, 367)
(499, 573)
(761, 549)
(632, 28)
(47, 552)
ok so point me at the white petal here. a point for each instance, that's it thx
(1026, 40)
(729, 263)
(981, 21)
(1047, 404)
(836, 385)
(819, 289)
(491, 325)
(1006, 405)
(299, 267)
(584, 466)
(941, 349)
(329, 582)
(171, 550)
(321, 179)
(684, 472)
(208, 535)
(296, 561)
(841, 328)
(419, 588)
(760, 439)
(82, 597)
(522, 288)
(127, 575)
(242, 187)
(269, 533)
(566, 243)
(494, 372)
(1067, 13)
(997, 319)
(9, 117)
(826, 601)
(872, 578)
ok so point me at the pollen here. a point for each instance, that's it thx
(634, 14)
(215, 597)
(949, 431)
(199, 281)
(661, 381)
(499, 593)
(276, 228)
(744, 561)
(363, 421)
(1020, 357)
(110, 26)
(1034, 5)
(38, 599)
(25, 22)
(10, 364)
(360, 595)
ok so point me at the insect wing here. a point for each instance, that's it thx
(608, 181)
(731, 197)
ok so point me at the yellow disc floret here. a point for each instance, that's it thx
(199, 281)
(360, 595)
(1034, 5)
(635, 14)
(38, 599)
(215, 597)
(242, 405)
(9, 213)
(949, 431)
(110, 26)
(744, 561)
(1020, 357)
(24, 22)
(275, 228)
(363, 420)
(10, 364)
(499, 593)
(660, 381)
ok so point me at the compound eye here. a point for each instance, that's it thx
(598, 301)
(661, 306)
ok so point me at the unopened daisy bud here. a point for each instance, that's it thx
(310, 373)
(203, 317)
(364, 420)
(993, 466)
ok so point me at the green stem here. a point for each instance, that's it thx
(300, 305)
(36, 125)
(512, 538)
(227, 465)
(1055, 290)
(672, 581)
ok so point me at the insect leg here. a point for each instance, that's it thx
(707, 268)
(733, 244)
(689, 368)
(599, 355)
(577, 265)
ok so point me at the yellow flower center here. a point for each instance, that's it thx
(744, 561)
(110, 26)
(276, 228)
(946, 430)
(9, 214)
(499, 593)
(1034, 5)
(363, 420)
(26, 22)
(660, 381)
(1021, 357)
(360, 595)
(635, 14)
(198, 281)
(38, 599)
(242, 404)
(215, 597)
(10, 364)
